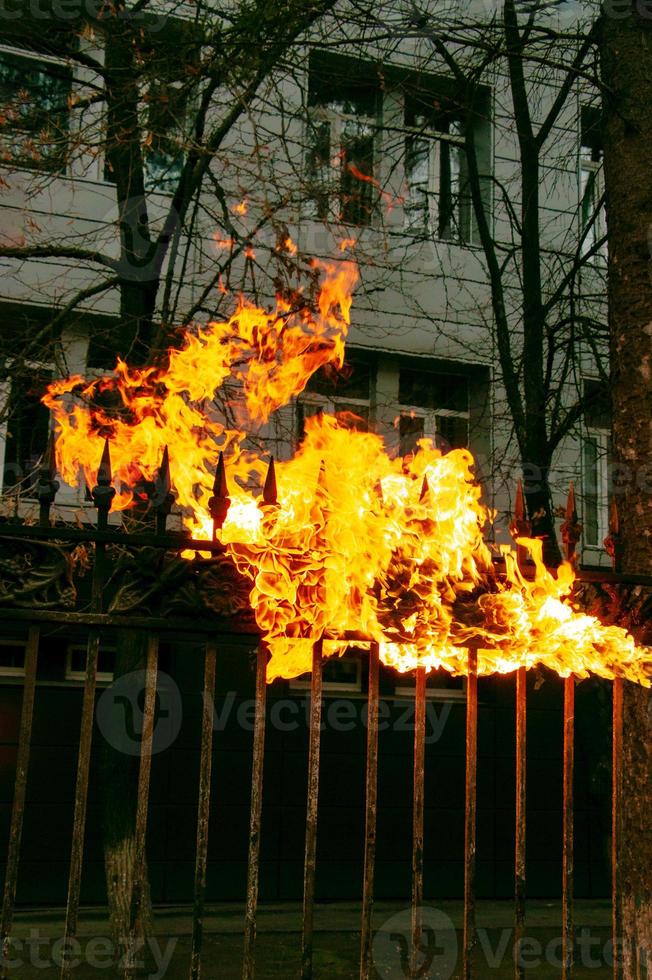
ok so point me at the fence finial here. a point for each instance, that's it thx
(612, 542)
(571, 529)
(104, 493)
(163, 498)
(270, 491)
(220, 502)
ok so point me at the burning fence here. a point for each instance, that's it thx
(341, 540)
(338, 543)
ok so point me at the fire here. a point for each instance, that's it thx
(360, 544)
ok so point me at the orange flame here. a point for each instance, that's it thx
(360, 543)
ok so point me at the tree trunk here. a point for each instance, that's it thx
(120, 767)
(627, 74)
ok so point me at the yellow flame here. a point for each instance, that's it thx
(388, 549)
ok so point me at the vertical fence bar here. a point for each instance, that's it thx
(103, 494)
(418, 809)
(370, 815)
(203, 809)
(249, 966)
(470, 811)
(568, 829)
(139, 884)
(20, 789)
(616, 824)
(519, 854)
(310, 862)
(81, 797)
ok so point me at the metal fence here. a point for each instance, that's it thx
(99, 623)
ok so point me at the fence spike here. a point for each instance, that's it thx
(612, 541)
(104, 470)
(104, 493)
(162, 497)
(220, 502)
(270, 490)
(571, 529)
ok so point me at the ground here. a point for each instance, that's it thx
(37, 951)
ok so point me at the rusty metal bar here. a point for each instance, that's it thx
(568, 830)
(371, 799)
(616, 825)
(20, 788)
(520, 843)
(81, 797)
(418, 810)
(139, 883)
(310, 862)
(203, 810)
(248, 968)
(103, 495)
(170, 540)
(470, 811)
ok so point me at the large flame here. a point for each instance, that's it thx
(359, 544)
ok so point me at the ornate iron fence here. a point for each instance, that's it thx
(38, 593)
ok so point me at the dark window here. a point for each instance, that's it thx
(435, 167)
(34, 97)
(12, 658)
(427, 389)
(28, 424)
(341, 142)
(433, 405)
(78, 657)
(592, 218)
(169, 81)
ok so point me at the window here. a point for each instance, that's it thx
(168, 85)
(596, 452)
(26, 433)
(592, 213)
(440, 686)
(12, 659)
(433, 405)
(76, 663)
(339, 674)
(438, 196)
(34, 95)
(341, 140)
(345, 394)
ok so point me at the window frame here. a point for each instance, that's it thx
(430, 224)
(328, 180)
(102, 676)
(602, 438)
(333, 687)
(328, 404)
(39, 367)
(13, 671)
(33, 55)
